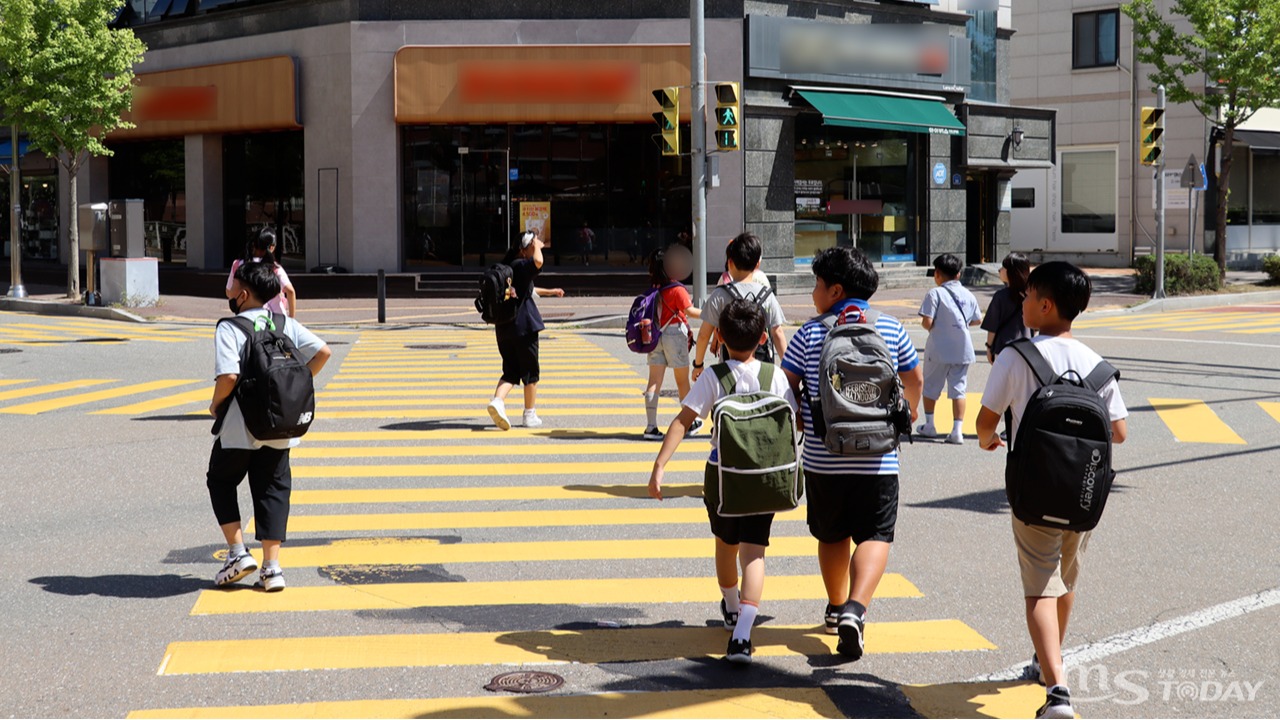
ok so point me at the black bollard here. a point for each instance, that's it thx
(382, 297)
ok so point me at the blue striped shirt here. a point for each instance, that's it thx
(803, 355)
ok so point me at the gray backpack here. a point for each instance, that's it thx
(756, 432)
(859, 408)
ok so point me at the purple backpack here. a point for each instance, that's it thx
(644, 314)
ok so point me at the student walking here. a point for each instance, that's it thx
(1003, 321)
(1050, 558)
(518, 338)
(674, 310)
(738, 540)
(851, 499)
(262, 249)
(236, 452)
(947, 312)
(742, 264)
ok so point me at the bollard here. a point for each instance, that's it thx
(382, 297)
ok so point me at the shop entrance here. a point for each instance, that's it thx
(39, 220)
(980, 216)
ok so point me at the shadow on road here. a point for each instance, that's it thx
(146, 587)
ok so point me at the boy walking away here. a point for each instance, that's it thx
(675, 306)
(852, 498)
(518, 337)
(742, 534)
(947, 312)
(742, 261)
(237, 451)
(1083, 402)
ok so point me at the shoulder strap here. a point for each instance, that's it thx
(243, 324)
(766, 376)
(1101, 375)
(956, 299)
(763, 296)
(1039, 366)
(725, 376)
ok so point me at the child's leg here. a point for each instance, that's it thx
(751, 556)
(531, 396)
(530, 369)
(226, 469)
(929, 404)
(503, 389)
(957, 408)
(271, 482)
(835, 565)
(866, 567)
(652, 391)
(682, 381)
(1046, 637)
(1065, 603)
(726, 564)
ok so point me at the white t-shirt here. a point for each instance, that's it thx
(706, 391)
(1012, 382)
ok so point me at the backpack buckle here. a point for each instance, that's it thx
(843, 319)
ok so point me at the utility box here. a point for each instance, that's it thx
(93, 227)
(132, 282)
(128, 239)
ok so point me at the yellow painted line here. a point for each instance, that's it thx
(14, 382)
(689, 447)
(106, 331)
(455, 402)
(36, 408)
(710, 704)
(1194, 421)
(636, 468)
(585, 378)
(547, 646)
(617, 413)
(487, 494)
(1130, 321)
(981, 700)
(483, 385)
(204, 395)
(942, 416)
(453, 390)
(46, 389)
(1272, 409)
(595, 591)
(487, 432)
(1261, 325)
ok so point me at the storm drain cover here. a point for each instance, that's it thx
(525, 682)
(437, 346)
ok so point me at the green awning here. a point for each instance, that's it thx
(884, 112)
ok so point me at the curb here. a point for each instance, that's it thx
(46, 307)
(1197, 302)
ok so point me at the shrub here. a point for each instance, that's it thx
(1182, 275)
(1271, 264)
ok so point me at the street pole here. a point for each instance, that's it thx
(1160, 232)
(698, 149)
(16, 290)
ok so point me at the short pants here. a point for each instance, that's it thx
(1050, 559)
(519, 359)
(954, 376)
(858, 507)
(752, 529)
(673, 348)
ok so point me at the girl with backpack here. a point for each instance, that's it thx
(262, 249)
(675, 309)
(1003, 321)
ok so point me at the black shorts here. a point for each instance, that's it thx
(752, 529)
(270, 485)
(860, 507)
(519, 358)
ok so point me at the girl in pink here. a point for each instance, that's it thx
(263, 249)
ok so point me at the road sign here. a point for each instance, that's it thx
(1192, 175)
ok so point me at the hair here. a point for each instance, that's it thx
(948, 265)
(742, 322)
(744, 252)
(1017, 267)
(657, 269)
(259, 279)
(1063, 283)
(263, 243)
(849, 268)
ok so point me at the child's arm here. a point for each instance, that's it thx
(317, 361)
(694, 312)
(222, 388)
(779, 340)
(700, 350)
(988, 422)
(912, 388)
(991, 338)
(670, 442)
(548, 292)
(291, 301)
(1119, 430)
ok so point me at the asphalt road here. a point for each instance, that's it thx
(461, 553)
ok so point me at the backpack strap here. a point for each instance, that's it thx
(766, 376)
(245, 326)
(1101, 375)
(1039, 366)
(725, 376)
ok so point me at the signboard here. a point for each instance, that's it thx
(809, 187)
(537, 215)
(940, 174)
(1176, 197)
(514, 174)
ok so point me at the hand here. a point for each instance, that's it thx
(915, 414)
(655, 483)
(995, 443)
(556, 292)
(213, 409)
(693, 376)
(991, 358)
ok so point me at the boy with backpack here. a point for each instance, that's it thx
(258, 421)
(1057, 481)
(742, 261)
(947, 312)
(861, 383)
(517, 322)
(740, 505)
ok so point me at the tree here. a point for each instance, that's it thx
(73, 81)
(1228, 67)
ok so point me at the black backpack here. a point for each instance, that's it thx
(1058, 471)
(764, 353)
(275, 390)
(492, 301)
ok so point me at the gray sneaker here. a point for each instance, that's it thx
(271, 579)
(235, 569)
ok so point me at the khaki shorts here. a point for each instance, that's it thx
(673, 349)
(1050, 559)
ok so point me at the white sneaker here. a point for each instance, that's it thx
(927, 430)
(271, 579)
(955, 438)
(531, 419)
(235, 569)
(498, 411)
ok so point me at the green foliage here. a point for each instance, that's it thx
(1182, 275)
(1271, 265)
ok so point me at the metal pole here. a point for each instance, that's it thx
(508, 218)
(1160, 231)
(698, 149)
(382, 296)
(16, 290)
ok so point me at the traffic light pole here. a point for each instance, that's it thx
(1160, 230)
(698, 148)
(16, 289)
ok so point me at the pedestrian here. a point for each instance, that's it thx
(1003, 321)
(674, 310)
(851, 499)
(236, 452)
(946, 313)
(1049, 558)
(742, 260)
(518, 339)
(262, 249)
(586, 242)
(738, 540)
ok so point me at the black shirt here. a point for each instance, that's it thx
(528, 319)
(1004, 318)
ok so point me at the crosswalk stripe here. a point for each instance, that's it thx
(477, 385)
(455, 402)
(782, 702)
(617, 413)
(688, 447)
(486, 432)
(47, 389)
(986, 699)
(603, 377)
(35, 408)
(943, 418)
(1194, 421)
(547, 647)
(184, 398)
(1272, 409)
(115, 332)
(517, 466)
(453, 390)
(594, 591)
(382, 522)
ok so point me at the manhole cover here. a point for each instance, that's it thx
(6, 351)
(525, 682)
(437, 346)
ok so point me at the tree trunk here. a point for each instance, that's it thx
(73, 234)
(1224, 188)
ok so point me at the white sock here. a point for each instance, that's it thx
(746, 618)
(730, 598)
(928, 419)
(235, 550)
(957, 427)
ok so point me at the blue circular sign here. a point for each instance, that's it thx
(940, 174)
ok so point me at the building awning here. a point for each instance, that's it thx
(1259, 139)
(884, 112)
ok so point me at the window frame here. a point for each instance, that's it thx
(1078, 63)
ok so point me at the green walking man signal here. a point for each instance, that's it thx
(728, 111)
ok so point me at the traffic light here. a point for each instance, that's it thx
(728, 116)
(1151, 135)
(669, 119)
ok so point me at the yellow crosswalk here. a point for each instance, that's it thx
(20, 329)
(1249, 321)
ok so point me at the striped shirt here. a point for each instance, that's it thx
(803, 355)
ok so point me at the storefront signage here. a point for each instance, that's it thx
(940, 174)
(537, 216)
(489, 82)
(809, 187)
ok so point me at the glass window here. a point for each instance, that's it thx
(1238, 190)
(38, 228)
(1266, 174)
(1089, 191)
(262, 188)
(981, 31)
(154, 171)
(1095, 39)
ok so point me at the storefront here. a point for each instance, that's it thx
(39, 200)
(1253, 205)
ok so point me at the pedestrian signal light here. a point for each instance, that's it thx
(728, 116)
(668, 119)
(1151, 135)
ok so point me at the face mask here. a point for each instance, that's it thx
(231, 303)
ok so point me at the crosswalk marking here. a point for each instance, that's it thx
(1234, 322)
(689, 447)
(589, 376)
(747, 704)
(7, 383)
(469, 392)
(990, 699)
(49, 389)
(547, 646)
(1272, 409)
(381, 522)
(476, 433)
(1194, 421)
(204, 394)
(114, 331)
(362, 496)
(35, 408)
(455, 402)
(618, 413)
(943, 418)
(635, 468)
